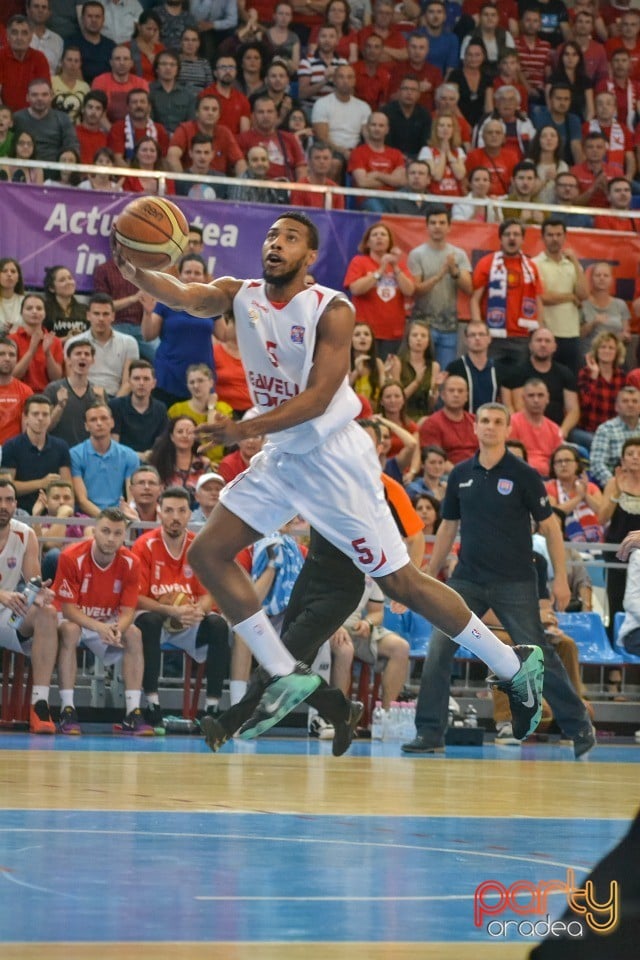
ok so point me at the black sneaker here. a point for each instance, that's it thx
(420, 745)
(280, 697)
(68, 722)
(153, 715)
(346, 730)
(134, 725)
(584, 742)
(215, 734)
(524, 691)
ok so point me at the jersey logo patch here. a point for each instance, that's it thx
(188, 572)
(505, 487)
(64, 590)
(11, 563)
(297, 334)
(117, 586)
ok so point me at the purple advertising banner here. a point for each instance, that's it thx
(45, 226)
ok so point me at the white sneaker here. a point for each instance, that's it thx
(505, 737)
(321, 729)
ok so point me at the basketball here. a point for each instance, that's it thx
(153, 232)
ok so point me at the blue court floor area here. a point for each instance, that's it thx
(247, 877)
(70, 875)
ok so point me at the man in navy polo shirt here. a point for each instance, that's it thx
(33, 459)
(491, 498)
(138, 418)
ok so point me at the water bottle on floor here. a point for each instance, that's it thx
(377, 722)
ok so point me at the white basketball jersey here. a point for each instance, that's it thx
(277, 344)
(13, 554)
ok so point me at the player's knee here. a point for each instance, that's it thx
(132, 639)
(69, 634)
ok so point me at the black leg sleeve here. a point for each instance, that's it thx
(150, 626)
(214, 631)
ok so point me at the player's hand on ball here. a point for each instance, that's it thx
(127, 269)
(221, 430)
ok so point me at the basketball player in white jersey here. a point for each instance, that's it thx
(295, 342)
(38, 633)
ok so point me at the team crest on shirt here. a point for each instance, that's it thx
(11, 563)
(117, 586)
(254, 316)
(297, 334)
(505, 487)
(65, 590)
(188, 572)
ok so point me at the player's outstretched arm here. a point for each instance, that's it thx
(198, 299)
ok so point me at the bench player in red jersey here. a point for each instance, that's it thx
(96, 589)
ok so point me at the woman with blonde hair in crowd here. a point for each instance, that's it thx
(599, 383)
(416, 370)
(367, 373)
(446, 158)
(378, 281)
(601, 311)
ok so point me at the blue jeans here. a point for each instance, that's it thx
(147, 348)
(516, 605)
(444, 346)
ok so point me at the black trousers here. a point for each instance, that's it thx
(213, 631)
(327, 591)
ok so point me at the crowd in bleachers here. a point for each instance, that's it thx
(100, 397)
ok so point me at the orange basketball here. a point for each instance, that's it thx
(153, 232)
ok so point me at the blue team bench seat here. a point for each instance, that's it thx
(617, 646)
(587, 629)
(416, 630)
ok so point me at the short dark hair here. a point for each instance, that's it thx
(135, 90)
(141, 364)
(98, 95)
(509, 222)
(433, 448)
(437, 210)
(371, 425)
(114, 514)
(312, 230)
(594, 135)
(553, 222)
(518, 444)
(194, 228)
(18, 18)
(100, 298)
(6, 482)
(36, 398)
(6, 341)
(71, 346)
(524, 166)
(174, 493)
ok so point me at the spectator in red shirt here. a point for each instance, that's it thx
(452, 427)
(498, 159)
(374, 166)
(417, 65)
(595, 173)
(137, 125)
(90, 131)
(595, 58)
(320, 158)
(235, 109)
(119, 82)
(227, 155)
(540, 435)
(507, 292)
(378, 281)
(372, 77)
(446, 158)
(234, 463)
(39, 352)
(20, 64)
(625, 90)
(13, 392)
(619, 194)
(619, 137)
(395, 47)
(628, 40)
(287, 157)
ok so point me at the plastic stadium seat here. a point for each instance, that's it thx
(414, 628)
(16, 688)
(587, 629)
